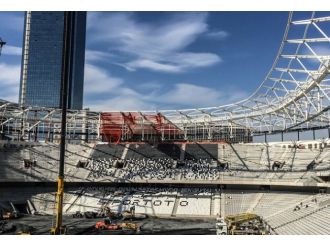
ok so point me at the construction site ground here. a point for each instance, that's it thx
(40, 225)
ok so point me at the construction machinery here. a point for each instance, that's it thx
(107, 224)
(104, 225)
(59, 228)
(77, 214)
(106, 212)
(221, 227)
(132, 215)
(10, 215)
(129, 226)
(24, 233)
(127, 215)
(241, 224)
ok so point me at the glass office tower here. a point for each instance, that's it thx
(42, 60)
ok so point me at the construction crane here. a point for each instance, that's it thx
(59, 229)
(2, 43)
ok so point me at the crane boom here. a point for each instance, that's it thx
(67, 46)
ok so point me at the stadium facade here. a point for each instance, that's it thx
(42, 60)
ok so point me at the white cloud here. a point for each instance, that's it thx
(9, 74)
(120, 103)
(191, 95)
(147, 39)
(153, 46)
(9, 81)
(219, 35)
(182, 95)
(11, 50)
(98, 80)
(180, 62)
(104, 92)
(92, 56)
(189, 59)
(152, 65)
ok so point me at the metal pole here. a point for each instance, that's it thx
(68, 15)
(298, 135)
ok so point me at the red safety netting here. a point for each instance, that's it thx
(116, 126)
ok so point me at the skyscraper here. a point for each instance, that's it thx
(42, 60)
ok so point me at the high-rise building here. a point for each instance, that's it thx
(42, 60)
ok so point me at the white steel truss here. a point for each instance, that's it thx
(294, 94)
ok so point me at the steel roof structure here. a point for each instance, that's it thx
(294, 94)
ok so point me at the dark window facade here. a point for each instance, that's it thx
(42, 60)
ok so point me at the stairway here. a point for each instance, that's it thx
(222, 204)
(175, 207)
(221, 153)
(123, 156)
(72, 202)
(255, 203)
(31, 207)
(212, 205)
(183, 151)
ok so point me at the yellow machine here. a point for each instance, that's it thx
(129, 226)
(23, 233)
(234, 221)
(240, 224)
(59, 229)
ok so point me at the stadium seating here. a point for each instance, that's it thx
(123, 162)
(191, 163)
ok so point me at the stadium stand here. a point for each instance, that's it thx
(187, 164)
(142, 162)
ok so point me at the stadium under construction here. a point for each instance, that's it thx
(150, 172)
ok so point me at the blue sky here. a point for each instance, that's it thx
(162, 60)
